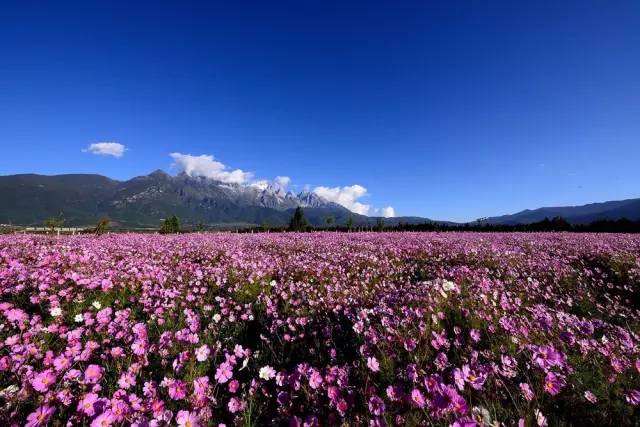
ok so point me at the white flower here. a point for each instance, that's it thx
(267, 372)
(217, 317)
(448, 285)
(272, 283)
(96, 305)
(78, 318)
(56, 311)
(245, 362)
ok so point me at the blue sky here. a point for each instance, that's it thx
(450, 110)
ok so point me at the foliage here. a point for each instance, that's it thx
(298, 223)
(170, 225)
(54, 222)
(102, 226)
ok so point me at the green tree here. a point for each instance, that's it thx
(350, 222)
(170, 225)
(380, 224)
(329, 221)
(102, 226)
(298, 223)
(54, 222)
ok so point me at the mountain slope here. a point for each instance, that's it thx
(584, 214)
(144, 200)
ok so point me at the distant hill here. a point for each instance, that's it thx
(144, 201)
(584, 214)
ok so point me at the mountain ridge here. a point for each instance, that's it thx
(143, 201)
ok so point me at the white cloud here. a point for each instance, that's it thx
(260, 184)
(205, 165)
(106, 149)
(282, 182)
(387, 212)
(346, 196)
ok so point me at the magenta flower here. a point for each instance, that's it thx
(105, 419)
(315, 379)
(187, 419)
(44, 380)
(526, 391)
(93, 374)
(417, 398)
(553, 383)
(40, 416)
(87, 404)
(177, 389)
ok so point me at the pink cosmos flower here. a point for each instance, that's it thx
(44, 380)
(105, 419)
(187, 419)
(235, 405)
(633, 397)
(224, 373)
(373, 364)
(540, 418)
(61, 363)
(127, 380)
(234, 385)
(590, 396)
(202, 353)
(526, 391)
(417, 398)
(40, 416)
(315, 379)
(93, 374)
(553, 383)
(177, 389)
(87, 404)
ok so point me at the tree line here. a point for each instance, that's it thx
(298, 223)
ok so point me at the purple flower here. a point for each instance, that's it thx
(553, 383)
(417, 398)
(40, 416)
(633, 397)
(376, 405)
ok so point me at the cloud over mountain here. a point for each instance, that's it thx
(205, 165)
(346, 196)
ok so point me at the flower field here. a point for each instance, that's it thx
(320, 329)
